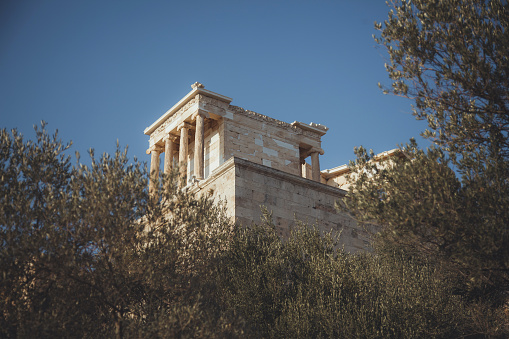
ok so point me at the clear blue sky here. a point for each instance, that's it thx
(99, 71)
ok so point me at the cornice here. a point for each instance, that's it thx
(333, 172)
(278, 174)
(272, 172)
(312, 127)
(310, 131)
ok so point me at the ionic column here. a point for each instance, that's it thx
(184, 137)
(154, 152)
(303, 168)
(169, 148)
(199, 144)
(315, 164)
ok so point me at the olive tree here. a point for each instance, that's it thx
(87, 251)
(449, 203)
(452, 58)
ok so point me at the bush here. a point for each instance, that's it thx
(304, 287)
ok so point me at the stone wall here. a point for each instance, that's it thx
(247, 185)
(338, 181)
(261, 142)
(220, 183)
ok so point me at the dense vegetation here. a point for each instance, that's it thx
(448, 204)
(87, 252)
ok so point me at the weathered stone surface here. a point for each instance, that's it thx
(250, 160)
(247, 186)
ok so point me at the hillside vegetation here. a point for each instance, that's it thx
(87, 252)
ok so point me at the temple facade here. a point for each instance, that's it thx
(251, 160)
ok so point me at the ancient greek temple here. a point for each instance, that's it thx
(249, 160)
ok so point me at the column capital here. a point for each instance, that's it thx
(310, 151)
(171, 137)
(201, 113)
(156, 148)
(318, 150)
(184, 125)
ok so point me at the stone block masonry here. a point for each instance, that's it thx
(246, 186)
(248, 160)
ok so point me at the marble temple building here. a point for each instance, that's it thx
(249, 160)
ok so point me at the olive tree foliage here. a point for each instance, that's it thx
(86, 251)
(427, 210)
(452, 58)
(457, 226)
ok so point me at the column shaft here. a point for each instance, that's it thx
(198, 147)
(184, 132)
(154, 168)
(169, 148)
(315, 166)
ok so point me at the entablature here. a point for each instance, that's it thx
(198, 101)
